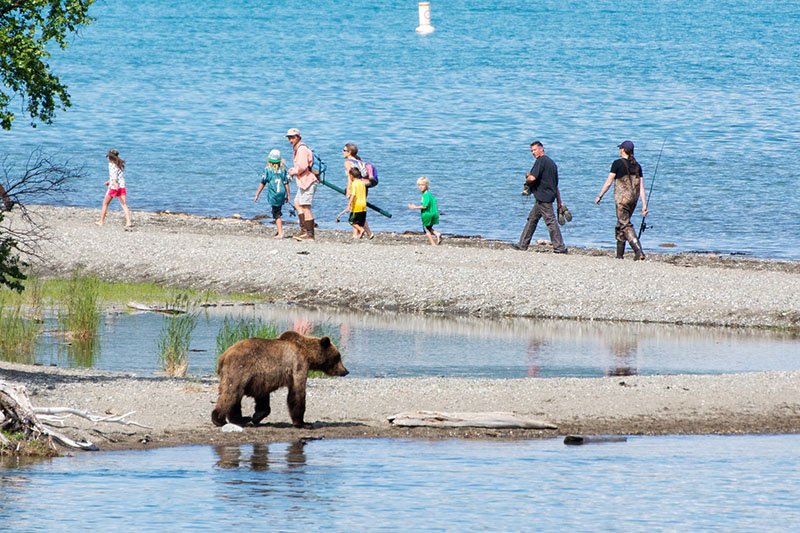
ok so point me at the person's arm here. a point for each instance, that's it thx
(288, 184)
(606, 186)
(643, 196)
(301, 162)
(558, 198)
(258, 192)
(533, 174)
(414, 206)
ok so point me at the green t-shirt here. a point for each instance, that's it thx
(275, 180)
(430, 212)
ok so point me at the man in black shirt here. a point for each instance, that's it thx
(542, 180)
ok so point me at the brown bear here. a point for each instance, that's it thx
(256, 367)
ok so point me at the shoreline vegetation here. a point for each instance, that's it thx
(464, 276)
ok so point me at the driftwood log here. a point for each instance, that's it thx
(477, 420)
(166, 310)
(17, 415)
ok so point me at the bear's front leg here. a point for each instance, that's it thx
(235, 415)
(296, 401)
(262, 410)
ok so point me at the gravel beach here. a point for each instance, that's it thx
(464, 276)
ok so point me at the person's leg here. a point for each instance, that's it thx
(304, 200)
(625, 230)
(552, 226)
(127, 211)
(104, 209)
(429, 234)
(530, 227)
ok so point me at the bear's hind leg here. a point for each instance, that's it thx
(262, 410)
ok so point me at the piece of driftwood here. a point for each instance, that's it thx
(20, 417)
(477, 420)
(577, 440)
(57, 415)
(155, 308)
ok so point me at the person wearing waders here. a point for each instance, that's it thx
(626, 175)
(542, 181)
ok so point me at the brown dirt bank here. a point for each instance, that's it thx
(178, 410)
(464, 276)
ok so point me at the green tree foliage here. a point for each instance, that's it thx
(11, 274)
(27, 28)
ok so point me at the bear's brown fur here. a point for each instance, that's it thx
(256, 367)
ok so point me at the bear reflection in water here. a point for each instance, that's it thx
(235, 456)
(256, 367)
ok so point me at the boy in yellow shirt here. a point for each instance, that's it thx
(358, 202)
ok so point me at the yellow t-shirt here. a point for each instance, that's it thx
(359, 193)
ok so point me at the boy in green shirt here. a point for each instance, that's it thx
(429, 212)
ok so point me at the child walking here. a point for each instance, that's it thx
(276, 179)
(357, 205)
(116, 187)
(428, 211)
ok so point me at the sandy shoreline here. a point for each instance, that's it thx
(463, 277)
(179, 410)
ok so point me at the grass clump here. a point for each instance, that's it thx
(18, 333)
(232, 331)
(176, 335)
(81, 314)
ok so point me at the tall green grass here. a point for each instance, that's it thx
(81, 314)
(18, 333)
(232, 331)
(176, 336)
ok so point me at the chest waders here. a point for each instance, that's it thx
(626, 196)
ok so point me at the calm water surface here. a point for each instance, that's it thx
(195, 93)
(395, 345)
(743, 483)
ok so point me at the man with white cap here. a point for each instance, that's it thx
(306, 184)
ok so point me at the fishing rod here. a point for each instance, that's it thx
(643, 225)
(319, 171)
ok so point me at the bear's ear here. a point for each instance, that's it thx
(325, 342)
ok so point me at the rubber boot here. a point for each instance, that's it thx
(301, 221)
(308, 231)
(620, 249)
(637, 249)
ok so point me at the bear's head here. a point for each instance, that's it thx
(331, 358)
(321, 353)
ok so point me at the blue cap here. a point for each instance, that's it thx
(627, 145)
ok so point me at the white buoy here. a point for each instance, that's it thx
(424, 18)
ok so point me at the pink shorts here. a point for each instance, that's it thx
(113, 193)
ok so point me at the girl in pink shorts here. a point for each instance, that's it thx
(116, 187)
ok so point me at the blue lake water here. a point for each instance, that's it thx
(195, 93)
(741, 483)
(404, 345)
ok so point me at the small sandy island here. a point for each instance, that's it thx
(464, 276)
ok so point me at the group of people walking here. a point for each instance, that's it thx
(541, 182)
(360, 177)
